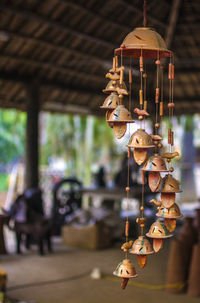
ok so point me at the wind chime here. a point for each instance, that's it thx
(144, 44)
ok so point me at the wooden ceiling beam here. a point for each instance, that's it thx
(52, 106)
(53, 84)
(50, 84)
(27, 14)
(53, 66)
(56, 106)
(187, 69)
(173, 18)
(136, 10)
(192, 104)
(55, 47)
(91, 13)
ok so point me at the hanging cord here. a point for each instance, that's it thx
(127, 199)
(157, 96)
(141, 95)
(145, 93)
(121, 58)
(128, 168)
(171, 104)
(170, 89)
(162, 96)
(162, 82)
(130, 84)
(145, 13)
(172, 86)
(141, 74)
(142, 211)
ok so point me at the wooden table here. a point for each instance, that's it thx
(112, 194)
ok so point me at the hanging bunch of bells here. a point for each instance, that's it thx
(145, 43)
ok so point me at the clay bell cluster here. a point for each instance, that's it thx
(167, 211)
(140, 44)
(117, 115)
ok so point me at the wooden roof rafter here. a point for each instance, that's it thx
(53, 66)
(51, 84)
(27, 14)
(95, 15)
(55, 47)
(172, 22)
(62, 44)
(137, 10)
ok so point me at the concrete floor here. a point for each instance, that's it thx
(64, 277)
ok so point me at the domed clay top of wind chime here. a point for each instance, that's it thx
(144, 38)
(142, 43)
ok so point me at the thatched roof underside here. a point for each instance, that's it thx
(64, 48)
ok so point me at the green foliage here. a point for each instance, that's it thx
(103, 136)
(12, 135)
(3, 182)
(80, 140)
(189, 123)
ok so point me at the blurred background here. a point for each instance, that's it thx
(62, 171)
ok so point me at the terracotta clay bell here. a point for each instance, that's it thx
(113, 86)
(111, 102)
(118, 119)
(169, 186)
(168, 199)
(154, 180)
(141, 247)
(125, 270)
(170, 215)
(154, 165)
(140, 141)
(157, 232)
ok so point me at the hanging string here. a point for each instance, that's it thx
(162, 96)
(128, 155)
(128, 170)
(162, 83)
(172, 86)
(157, 96)
(130, 83)
(121, 58)
(127, 200)
(145, 83)
(170, 104)
(145, 13)
(145, 92)
(141, 96)
(114, 59)
(142, 211)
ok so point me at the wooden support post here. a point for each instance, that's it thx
(32, 137)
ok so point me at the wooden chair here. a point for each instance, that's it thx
(28, 220)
